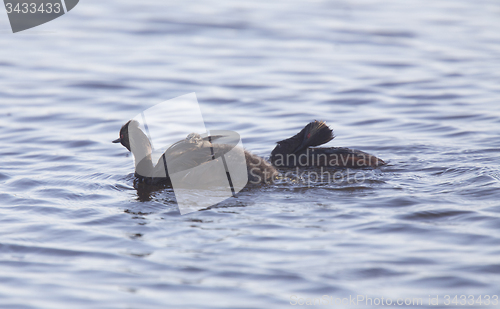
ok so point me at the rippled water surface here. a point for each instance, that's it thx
(413, 82)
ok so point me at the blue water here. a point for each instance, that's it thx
(415, 83)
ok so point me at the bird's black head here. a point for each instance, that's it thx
(124, 135)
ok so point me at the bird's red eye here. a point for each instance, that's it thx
(121, 135)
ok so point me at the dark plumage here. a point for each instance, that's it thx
(299, 151)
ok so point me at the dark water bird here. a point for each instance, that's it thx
(300, 151)
(195, 151)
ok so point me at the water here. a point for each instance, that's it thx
(413, 82)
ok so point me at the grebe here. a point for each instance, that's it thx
(296, 151)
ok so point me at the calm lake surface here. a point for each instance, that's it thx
(416, 83)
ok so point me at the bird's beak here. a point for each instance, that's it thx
(118, 140)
